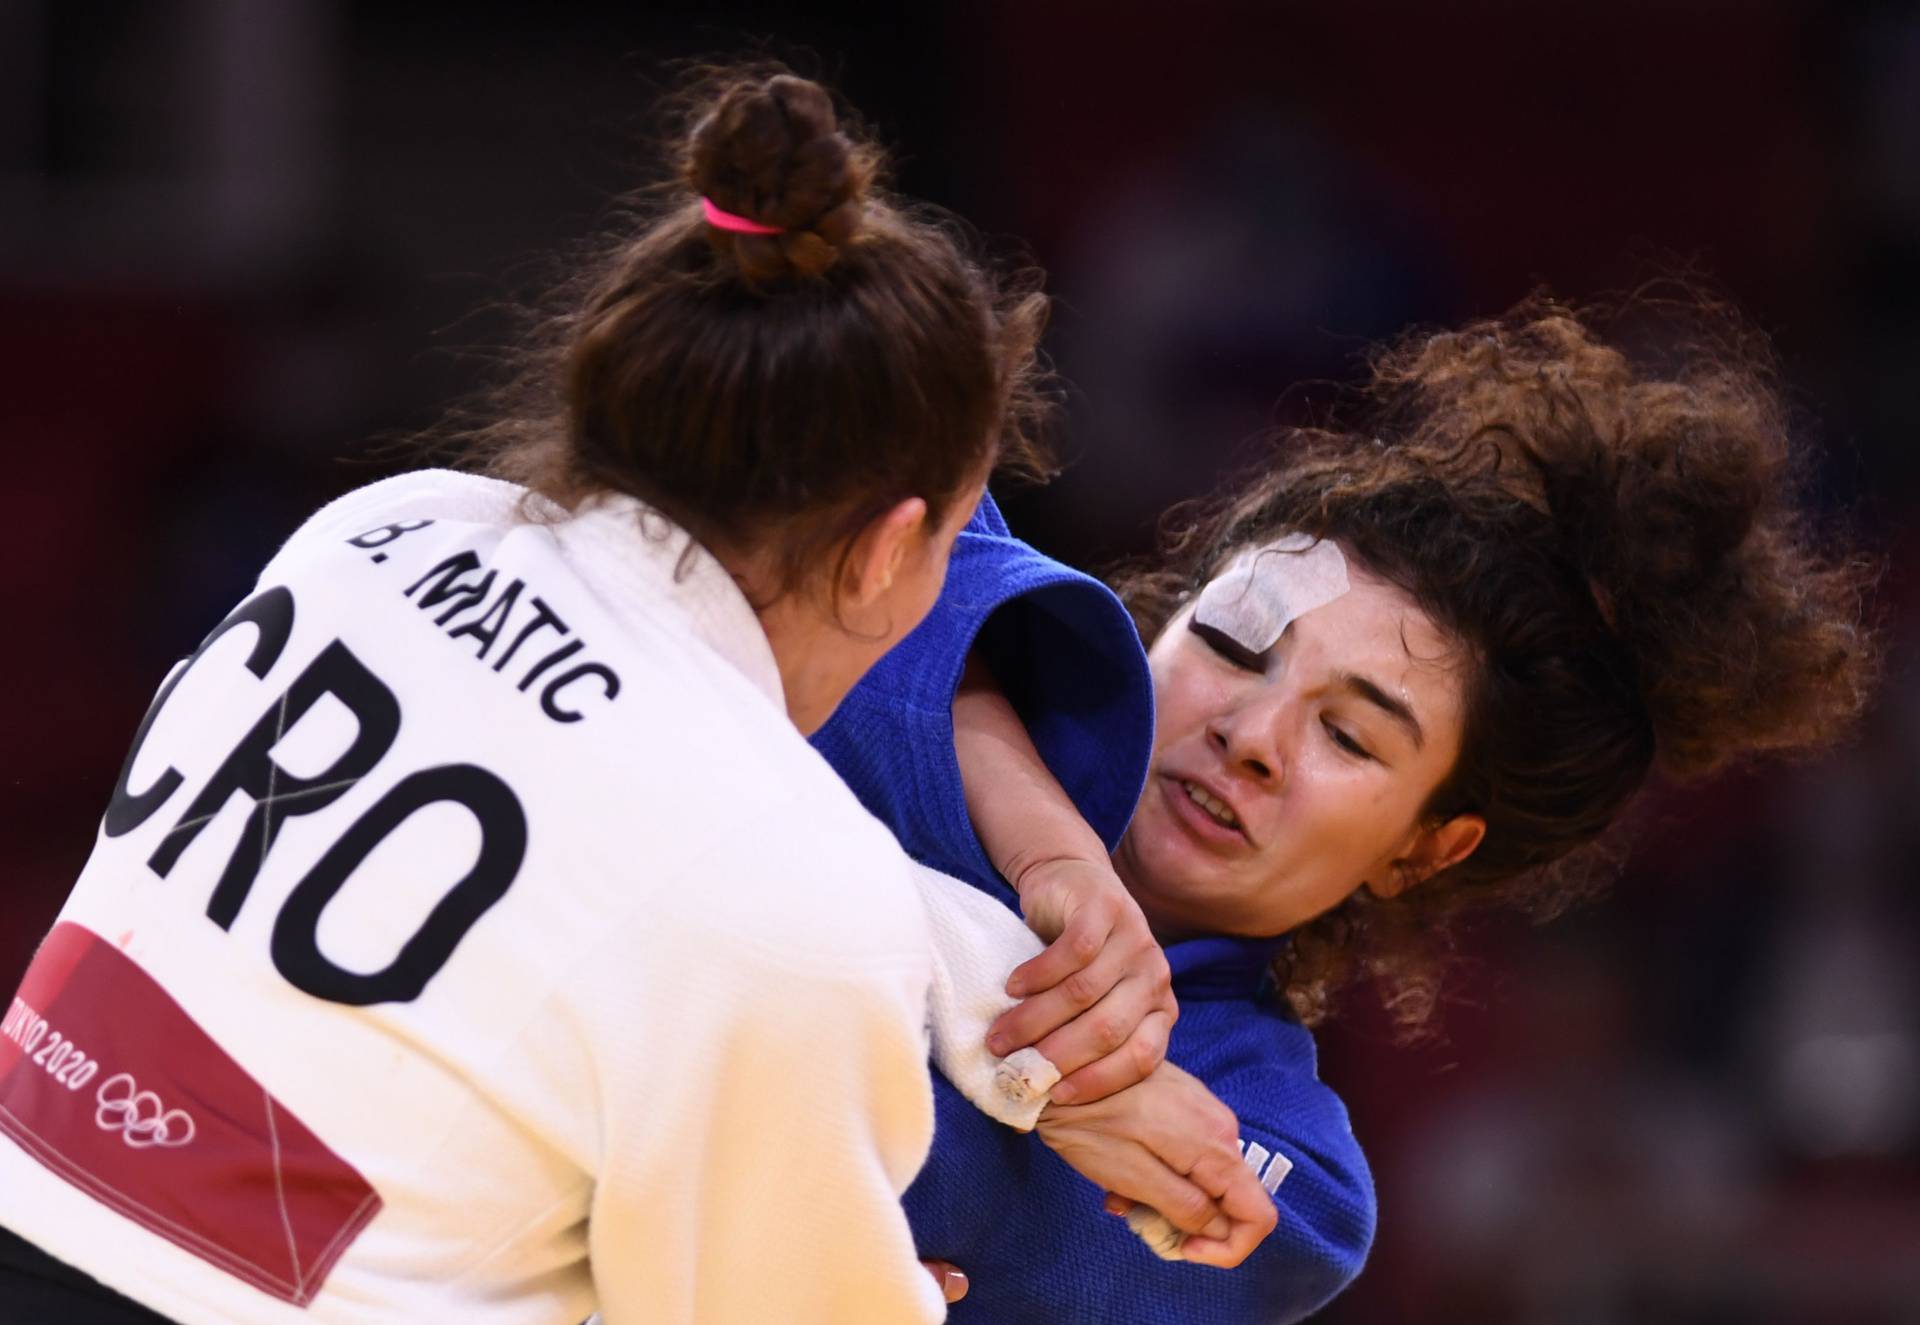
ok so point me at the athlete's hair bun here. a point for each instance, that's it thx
(772, 150)
(768, 392)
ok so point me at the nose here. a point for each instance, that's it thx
(1250, 737)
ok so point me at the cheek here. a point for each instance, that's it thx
(1350, 815)
(1185, 698)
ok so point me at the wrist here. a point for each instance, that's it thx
(1026, 864)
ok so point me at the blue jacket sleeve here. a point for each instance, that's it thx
(1026, 1227)
(1066, 654)
(1262, 1065)
(1037, 1248)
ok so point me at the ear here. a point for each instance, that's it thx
(879, 550)
(1431, 851)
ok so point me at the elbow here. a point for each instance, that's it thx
(1332, 1216)
(1350, 1234)
(1354, 1213)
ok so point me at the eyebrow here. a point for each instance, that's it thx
(1380, 699)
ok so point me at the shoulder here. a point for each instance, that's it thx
(986, 518)
(798, 871)
(846, 859)
(1065, 652)
(425, 494)
(991, 567)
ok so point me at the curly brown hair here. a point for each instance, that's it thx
(1620, 550)
(769, 391)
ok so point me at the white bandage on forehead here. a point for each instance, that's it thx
(1259, 593)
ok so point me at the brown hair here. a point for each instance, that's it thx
(1617, 548)
(779, 391)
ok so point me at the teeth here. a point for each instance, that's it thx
(1213, 806)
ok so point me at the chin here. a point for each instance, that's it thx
(1177, 904)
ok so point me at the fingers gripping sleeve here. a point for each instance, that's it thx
(976, 944)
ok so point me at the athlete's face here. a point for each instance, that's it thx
(1319, 753)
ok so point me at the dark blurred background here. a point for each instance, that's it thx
(241, 241)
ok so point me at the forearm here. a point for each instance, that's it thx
(989, 1197)
(1020, 812)
(1102, 970)
(1169, 1144)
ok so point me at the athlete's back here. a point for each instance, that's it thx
(486, 956)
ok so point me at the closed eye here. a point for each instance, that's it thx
(1229, 648)
(1346, 742)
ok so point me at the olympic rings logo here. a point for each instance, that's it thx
(139, 1116)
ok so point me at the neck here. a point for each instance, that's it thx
(814, 658)
(1164, 930)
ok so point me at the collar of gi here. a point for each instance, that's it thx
(1222, 967)
(650, 567)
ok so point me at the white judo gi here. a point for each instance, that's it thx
(473, 938)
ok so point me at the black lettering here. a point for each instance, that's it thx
(448, 573)
(563, 652)
(503, 845)
(474, 592)
(487, 626)
(561, 682)
(543, 616)
(277, 794)
(270, 613)
(386, 533)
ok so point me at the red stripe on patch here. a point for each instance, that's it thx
(108, 1082)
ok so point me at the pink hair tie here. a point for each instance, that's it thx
(740, 225)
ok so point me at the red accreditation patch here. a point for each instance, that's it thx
(108, 1082)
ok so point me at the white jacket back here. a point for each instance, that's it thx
(656, 1049)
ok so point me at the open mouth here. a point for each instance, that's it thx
(1216, 808)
